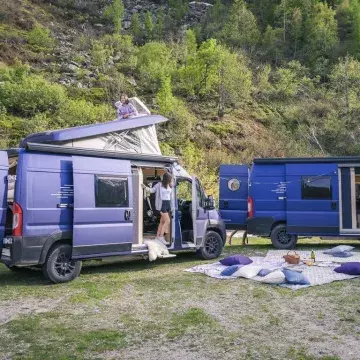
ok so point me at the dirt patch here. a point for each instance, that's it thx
(11, 309)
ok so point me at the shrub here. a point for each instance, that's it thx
(82, 112)
(30, 95)
(40, 39)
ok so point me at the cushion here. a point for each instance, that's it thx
(342, 254)
(230, 270)
(340, 248)
(247, 271)
(350, 268)
(295, 277)
(236, 260)
(275, 277)
(264, 272)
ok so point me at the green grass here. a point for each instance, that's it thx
(118, 305)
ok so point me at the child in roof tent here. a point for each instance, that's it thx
(125, 110)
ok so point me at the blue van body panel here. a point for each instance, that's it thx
(46, 184)
(311, 216)
(100, 228)
(4, 167)
(233, 204)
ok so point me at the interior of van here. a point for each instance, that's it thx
(146, 218)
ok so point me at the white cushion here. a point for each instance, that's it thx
(247, 271)
(275, 277)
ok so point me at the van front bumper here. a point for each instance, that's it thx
(21, 251)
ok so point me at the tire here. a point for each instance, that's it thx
(58, 267)
(281, 240)
(213, 246)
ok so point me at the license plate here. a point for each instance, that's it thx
(5, 252)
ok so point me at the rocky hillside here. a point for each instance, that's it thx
(237, 79)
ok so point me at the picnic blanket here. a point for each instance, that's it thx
(322, 273)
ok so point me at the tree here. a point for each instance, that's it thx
(322, 38)
(164, 98)
(235, 81)
(190, 43)
(241, 30)
(135, 27)
(115, 13)
(273, 44)
(149, 26)
(159, 29)
(155, 63)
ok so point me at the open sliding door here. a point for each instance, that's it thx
(103, 206)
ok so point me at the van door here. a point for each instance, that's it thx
(199, 215)
(233, 195)
(103, 207)
(4, 167)
(312, 199)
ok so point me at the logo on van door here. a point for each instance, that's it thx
(66, 192)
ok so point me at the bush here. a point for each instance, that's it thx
(30, 95)
(40, 39)
(82, 112)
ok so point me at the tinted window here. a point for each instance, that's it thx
(316, 188)
(111, 192)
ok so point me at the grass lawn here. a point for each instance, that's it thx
(138, 310)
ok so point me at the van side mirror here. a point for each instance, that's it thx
(210, 203)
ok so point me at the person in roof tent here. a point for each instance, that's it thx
(125, 110)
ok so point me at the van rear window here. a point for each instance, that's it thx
(111, 192)
(316, 188)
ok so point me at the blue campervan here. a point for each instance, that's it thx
(285, 198)
(76, 194)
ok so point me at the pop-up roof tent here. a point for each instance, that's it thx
(134, 135)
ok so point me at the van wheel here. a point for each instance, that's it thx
(281, 239)
(58, 267)
(213, 245)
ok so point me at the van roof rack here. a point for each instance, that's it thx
(57, 149)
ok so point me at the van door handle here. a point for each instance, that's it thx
(333, 205)
(127, 215)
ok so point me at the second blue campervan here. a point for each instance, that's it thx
(286, 198)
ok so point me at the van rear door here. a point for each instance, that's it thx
(103, 207)
(233, 195)
(4, 167)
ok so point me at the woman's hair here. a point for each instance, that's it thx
(166, 180)
(126, 98)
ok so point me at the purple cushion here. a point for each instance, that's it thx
(230, 270)
(350, 268)
(264, 272)
(236, 260)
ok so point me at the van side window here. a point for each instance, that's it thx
(111, 192)
(316, 188)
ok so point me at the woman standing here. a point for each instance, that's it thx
(125, 110)
(164, 192)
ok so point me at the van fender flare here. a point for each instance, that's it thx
(63, 236)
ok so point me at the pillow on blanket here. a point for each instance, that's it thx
(295, 277)
(340, 248)
(230, 270)
(264, 272)
(350, 268)
(247, 271)
(275, 277)
(156, 248)
(236, 260)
